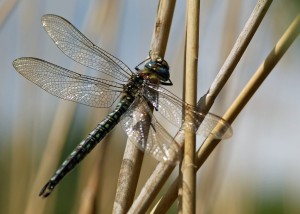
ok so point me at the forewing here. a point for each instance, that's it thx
(78, 47)
(148, 135)
(176, 111)
(67, 84)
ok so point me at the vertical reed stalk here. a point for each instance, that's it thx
(260, 75)
(187, 168)
(163, 171)
(132, 160)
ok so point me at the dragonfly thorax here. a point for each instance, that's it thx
(150, 76)
(134, 85)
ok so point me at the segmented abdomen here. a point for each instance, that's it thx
(102, 129)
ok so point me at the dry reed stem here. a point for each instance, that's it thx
(260, 75)
(188, 172)
(132, 160)
(162, 171)
(235, 55)
(128, 178)
(151, 188)
(162, 27)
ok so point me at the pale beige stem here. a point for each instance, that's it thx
(260, 75)
(162, 172)
(187, 167)
(132, 160)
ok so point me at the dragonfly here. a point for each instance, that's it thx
(141, 95)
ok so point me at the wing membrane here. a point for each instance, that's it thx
(174, 110)
(79, 48)
(67, 84)
(147, 134)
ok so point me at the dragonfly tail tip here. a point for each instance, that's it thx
(46, 190)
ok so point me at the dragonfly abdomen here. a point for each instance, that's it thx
(102, 129)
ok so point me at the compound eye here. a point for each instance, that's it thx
(164, 64)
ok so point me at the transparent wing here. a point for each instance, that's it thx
(67, 84)
(79, 48)
(174, 110)
(147, 134)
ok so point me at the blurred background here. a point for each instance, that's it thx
(255, 171)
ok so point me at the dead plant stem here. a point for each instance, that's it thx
(162, 171)
(132, 159)
(260, 75)
(187, 169)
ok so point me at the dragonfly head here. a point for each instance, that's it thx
(161, 68)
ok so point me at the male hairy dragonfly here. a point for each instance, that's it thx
(138, 93)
